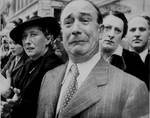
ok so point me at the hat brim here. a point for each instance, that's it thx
(49, 22)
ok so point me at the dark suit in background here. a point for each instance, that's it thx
(131, 63)
(135, 66)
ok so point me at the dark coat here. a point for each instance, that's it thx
(13, 69)
(29, 80)
(136, 67)
(4, 60)
(131, 63)
(10, 66)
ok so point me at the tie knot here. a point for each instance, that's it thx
(74, 70)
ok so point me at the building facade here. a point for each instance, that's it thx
(12, 9)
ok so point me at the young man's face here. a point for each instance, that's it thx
(138, 33)
(80, 29)
(34, 42)
(112, 34)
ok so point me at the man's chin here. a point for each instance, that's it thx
(108, 49)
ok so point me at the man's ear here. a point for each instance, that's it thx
(101, 29)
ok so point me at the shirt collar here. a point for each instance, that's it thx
(118, 51)
(143, 55)
(85, 64)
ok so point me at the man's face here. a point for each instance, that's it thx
(80, 29)
(34, 42)
(112, 34)
(138, 33)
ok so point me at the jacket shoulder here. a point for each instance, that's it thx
(125, 77)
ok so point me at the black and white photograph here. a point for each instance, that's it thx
(74, 58)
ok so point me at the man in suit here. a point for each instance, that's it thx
(96, 88)
(115, 28)
(138, 36)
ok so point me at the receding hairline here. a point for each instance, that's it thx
(99, 15)
(136, 17)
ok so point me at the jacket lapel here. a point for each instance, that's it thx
(90, 91)
(19, 64)
(50, 91)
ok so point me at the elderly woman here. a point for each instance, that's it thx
(35, 35)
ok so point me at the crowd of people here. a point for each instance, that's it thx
(78, 68)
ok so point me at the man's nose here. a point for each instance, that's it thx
(76, 28)
(137, 33)
(111, 34)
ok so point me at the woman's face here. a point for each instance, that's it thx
(16, 49)
(34, 42)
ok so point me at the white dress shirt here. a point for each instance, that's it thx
(142, 54)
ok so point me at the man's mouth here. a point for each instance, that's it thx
(77, 42)
(108, 41)
(29, 48)
(137, 40)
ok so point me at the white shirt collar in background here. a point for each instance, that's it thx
(143, 55)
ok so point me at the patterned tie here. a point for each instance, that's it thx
(72, 87)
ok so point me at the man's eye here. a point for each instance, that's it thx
(107, 28)
(68, 22)
(118, 31)
(85, 20)
(142, 29)
(32, 35)
(132, 30)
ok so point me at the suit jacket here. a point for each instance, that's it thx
(107, 92)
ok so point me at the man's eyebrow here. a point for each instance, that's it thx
(68, 16)
(86, 14)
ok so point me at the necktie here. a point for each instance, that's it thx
(72, 87)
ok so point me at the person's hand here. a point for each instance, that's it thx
(5, 83)
(7, 107)
(16, 96)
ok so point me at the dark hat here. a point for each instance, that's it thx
(50, 23)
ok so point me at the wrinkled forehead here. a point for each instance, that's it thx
(138, 22)
(113, 20)
(77, 7)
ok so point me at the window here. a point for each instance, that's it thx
(57, 13)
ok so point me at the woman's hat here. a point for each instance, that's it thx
(50, 23)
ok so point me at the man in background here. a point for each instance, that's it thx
(138, 37)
